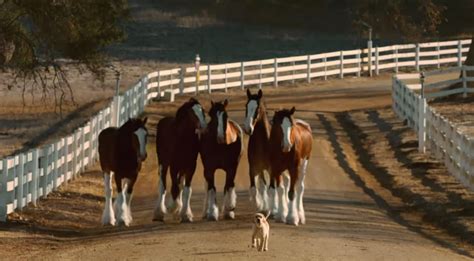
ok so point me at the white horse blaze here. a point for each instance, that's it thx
(141, 135)
(220, 126)
(251, 108)
(200, 115)
(286, 127)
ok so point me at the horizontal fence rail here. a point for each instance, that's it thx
(29, 176)
(436, 134)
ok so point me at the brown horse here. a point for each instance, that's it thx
(121, 152)
(290, 149)
(258, 151)
(221, 148)
(177, 147)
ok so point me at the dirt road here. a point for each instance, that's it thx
(348, 218)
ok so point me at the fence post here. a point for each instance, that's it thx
(55, 165)
(144, 82)
(417, 57)
(358, 64)
(19, 173)
(377, 60)
(438, 49)
(395, 54)
(325, 68)
(292, 72)
(209, 78)
(182, 72)
(341, 65)
(308, 69)
(3, 190)
(464, 82)
(369, 55)
(35, 176)
(158, 81)
(459, 53)
(242, 77)
(260, 76)
(275, 72)
(83, 151)
(422, 116)
(225, 77)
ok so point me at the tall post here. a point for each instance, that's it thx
(197, 63)
(341, 65)
(209, 78)
(242, 75)
(308, 69)
(260, 76)
(377, 60)
(417, 57)
(438, 55)
(369, 47)
(275, 72)
(422, 116)
(395, 54)
(464, 82)
(358, 64)
(116, 100)
(35, 176)
(459, 53)
(182, 72)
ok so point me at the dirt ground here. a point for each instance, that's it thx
(369, 196)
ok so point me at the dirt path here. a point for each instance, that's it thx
(350, 216)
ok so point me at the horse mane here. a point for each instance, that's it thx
(264, 116)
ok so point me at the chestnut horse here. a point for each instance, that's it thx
(221, 148)
(290, 149)
(177, 148)
(258, 151)
(121, 152)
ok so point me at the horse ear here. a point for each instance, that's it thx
(248, 93)
(144, 120)
(260, 94)
(292, 110)
(226, 102)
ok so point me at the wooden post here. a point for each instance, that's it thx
(242, 76)
(422, 125)
(209, 78)
(325, 68)
(377, 60)
(464, 81)
(459, 53)
(20, 174)
(260, 76)
(417, 57)
(158, 81)
(275, 72)
(395, 54)
(55, 165)
(182, 72)
(341, 60)
(35, 171)
(358, 64)
(438, 49)
(83, 152)
(3, 190)
(293, 72)
(308, 69)
(369, 56)
(225, 77)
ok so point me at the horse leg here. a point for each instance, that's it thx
(230, 198)
(211, 212)
(293, 218)
(262, 191)
(273, 197)
(282, 201)
(299, 195)
(121, 201)
(129, 183)
(160, 209)
(254, 198)
(186, 212)
(108, 216)
(176, 193)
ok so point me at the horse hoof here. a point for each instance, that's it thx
(211, 218)
(186, 219)
(293, 222)
(230, 215)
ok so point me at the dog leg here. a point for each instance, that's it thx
(265, 239)
(254, 237)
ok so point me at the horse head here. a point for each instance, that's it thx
(219, 118)
(252, 111)
(137, 126)
(283, 123)
(192, 111)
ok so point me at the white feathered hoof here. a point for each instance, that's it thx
(213, 213)
(108, 217)
(293, 217)
(302, 217)
(229, 215)
(186, 217)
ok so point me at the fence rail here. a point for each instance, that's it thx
(26, 177)
(436, 133)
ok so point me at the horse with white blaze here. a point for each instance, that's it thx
(257, 126)
(290, 149)
(121, 152)
(221, 148)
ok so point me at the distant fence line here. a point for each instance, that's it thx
(27, 177)
(436, 133)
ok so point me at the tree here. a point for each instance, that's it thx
(37, 36)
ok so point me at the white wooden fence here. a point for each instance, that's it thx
(28, 176)
(436, 133)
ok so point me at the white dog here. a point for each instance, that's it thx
(261, 232)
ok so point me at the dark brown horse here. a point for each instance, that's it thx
(121, 152)
(221, 148)
(177, 147)
(290, 149)
(258, 151)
